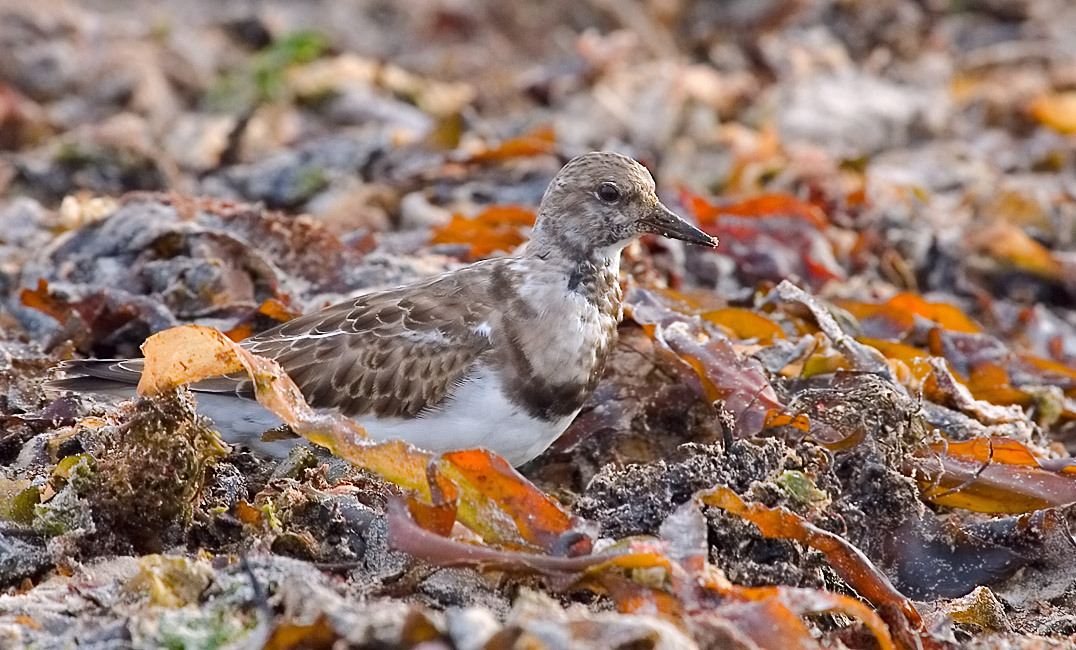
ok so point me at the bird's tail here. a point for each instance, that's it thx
(240, 421)
(117, 377)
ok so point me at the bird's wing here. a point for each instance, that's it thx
(390, 353)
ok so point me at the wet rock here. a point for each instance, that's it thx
(21, 559)
(290, 178)
(463, 588)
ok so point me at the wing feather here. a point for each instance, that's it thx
(390, 353)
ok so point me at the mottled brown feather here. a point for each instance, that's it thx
(392, 353)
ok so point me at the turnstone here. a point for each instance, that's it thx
(500, 354)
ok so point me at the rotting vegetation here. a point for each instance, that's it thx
(877, 452)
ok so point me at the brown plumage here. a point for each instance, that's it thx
(501, 353)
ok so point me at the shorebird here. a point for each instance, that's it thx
(500, 354)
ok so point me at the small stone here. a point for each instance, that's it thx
(470, 628)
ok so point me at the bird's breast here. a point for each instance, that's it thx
(555, 346)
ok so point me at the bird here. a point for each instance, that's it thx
(500, 354)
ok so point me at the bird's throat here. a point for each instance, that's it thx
(598, 281)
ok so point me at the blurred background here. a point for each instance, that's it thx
(228, 98)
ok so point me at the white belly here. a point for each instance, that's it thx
(475, 415)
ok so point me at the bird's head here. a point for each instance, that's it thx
(599, 203)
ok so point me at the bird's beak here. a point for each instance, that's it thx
(663, 221)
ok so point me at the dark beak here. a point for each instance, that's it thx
(663, 221)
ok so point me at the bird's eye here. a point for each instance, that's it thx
(608, 192)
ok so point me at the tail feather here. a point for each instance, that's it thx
(120, 377)
(117, 377)
(240, 421)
